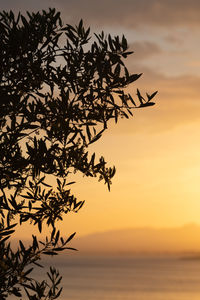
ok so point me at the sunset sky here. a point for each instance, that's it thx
(157, 152)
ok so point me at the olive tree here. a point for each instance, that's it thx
(58, 92)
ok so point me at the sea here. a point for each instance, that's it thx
(123, 277)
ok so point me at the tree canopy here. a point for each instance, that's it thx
(58, 91)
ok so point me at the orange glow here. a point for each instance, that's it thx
(157, 152)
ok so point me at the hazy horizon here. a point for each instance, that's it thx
(182, 239)
(142, 239)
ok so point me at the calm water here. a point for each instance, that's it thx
(130, 278)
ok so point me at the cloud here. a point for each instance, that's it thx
(145, 49)
(133, 13)
(177, 103)
(24, 5)
(175, 39)
(178, 99)
(127, 13)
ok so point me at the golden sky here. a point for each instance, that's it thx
(157, 152)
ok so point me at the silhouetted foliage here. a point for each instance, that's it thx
(58, 90)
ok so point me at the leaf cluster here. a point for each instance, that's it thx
(58, 92)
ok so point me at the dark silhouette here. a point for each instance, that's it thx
(58, 91)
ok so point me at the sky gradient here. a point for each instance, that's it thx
(156, 153)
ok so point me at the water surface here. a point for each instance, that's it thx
(129, 278)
